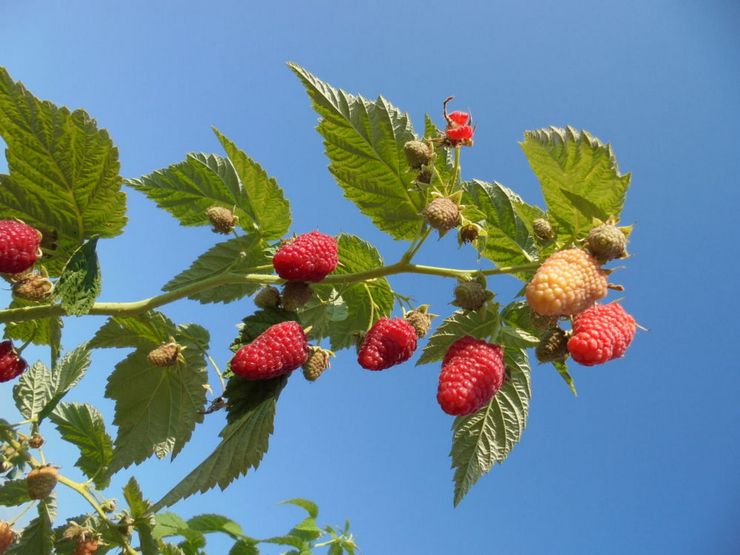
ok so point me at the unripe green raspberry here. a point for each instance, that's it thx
(41, 481)
(267, 297)
(553, 346)
(542, 230)
(296, 294)
(442, 214)
(166, 355)
(32, 287)
(418, 154)
(568, 282)
(420, 320)
(316, 363)
(424, 177)
(471, 295)
(222, 219)
(607, 242)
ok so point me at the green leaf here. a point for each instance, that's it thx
(482, 324)
(293, 541)
(13, 493)
(262, 199)
(145, 331)
(579, 177)
(68, 372)
(33, 390)
(170, 549)
(325, 307)
(508, 240)
(63, 173)
(485, 438)
(364, 141)
(309, 506)
(307, 529)
(562, 369)
(37, 537)
(366, 302)
(244, 440)
(80, 283)
(41, 331)
(170, 524)
(143, 514)
(236, 256)
(209, 523)
(39, 390)
(83, 426)
(156, 408)
(244, 547)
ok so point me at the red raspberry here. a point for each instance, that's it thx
(462, 134)
(600, 334)
(11, 365)
(472, 373)
(278, 350)
(389, 342)
(459, 118)
(19, 246)
(308, 257)
(7, 536)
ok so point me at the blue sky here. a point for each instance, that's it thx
(645, 460)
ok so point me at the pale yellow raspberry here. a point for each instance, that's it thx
(567, 283)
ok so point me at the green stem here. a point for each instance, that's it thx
(415, 246)
(218, 372)
(456, 170)
(137, 307)
(83, 490)
(27, 508)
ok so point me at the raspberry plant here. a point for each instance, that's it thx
(309, 290)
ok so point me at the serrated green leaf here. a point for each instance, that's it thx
(517, 329)
(13, 493)
(143, 514)
(364, 141)
(170, 549)
(309, 506)
(223, 258)
(293, 541)
(482, 324)
(325, 307)
(307, 529)
(37, 537)
(210, 523)
(486, 437)
(562, 369)
(80, 283)
(263, 199)
(244, 440)
(83, 426)
(68, 372)
(156, 408)
(39, 390)
(579, 177)
(41, 331)
(366, 301)
(63, 173)
(243, 547)
(507, 240)
(170, 524)
(33, 390)
(145, 331)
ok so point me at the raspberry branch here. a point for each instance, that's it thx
(23, 314)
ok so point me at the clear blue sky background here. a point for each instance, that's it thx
(646, 460)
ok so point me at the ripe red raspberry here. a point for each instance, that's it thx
(568, 282)
(19, 246)
(389, 342)
(278, 350)
(86, 546)
(459, 118)
(11, 365)
(308, 257)
(600, 334)
(459, 135)
(473, 371)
